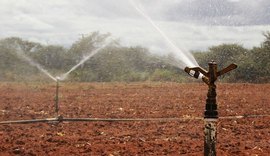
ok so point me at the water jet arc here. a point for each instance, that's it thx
(185, 57)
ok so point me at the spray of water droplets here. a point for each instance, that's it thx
(182, 59)
(89, 55)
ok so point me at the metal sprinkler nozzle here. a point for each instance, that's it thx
(191, 72)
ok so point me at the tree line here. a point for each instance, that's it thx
(120, 63)
(253, 64)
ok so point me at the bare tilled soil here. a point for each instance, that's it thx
(236, 136)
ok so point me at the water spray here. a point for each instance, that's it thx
(210, 113)
(87, 57)
(185, 56)
(23, 56)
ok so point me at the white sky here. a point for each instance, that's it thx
(190, 24)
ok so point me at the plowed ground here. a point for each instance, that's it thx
(245, 136)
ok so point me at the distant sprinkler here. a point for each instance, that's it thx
(58, 78)
(210, 113)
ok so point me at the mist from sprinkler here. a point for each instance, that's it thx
(62, 77)
(87, 57)
(185, 58)
(22, 55)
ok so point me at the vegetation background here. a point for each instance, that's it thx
(119, 63)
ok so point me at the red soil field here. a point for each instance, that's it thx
(21, 101)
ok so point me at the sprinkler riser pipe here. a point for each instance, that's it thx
(211, 112)
(212, 71)
(211, 102)
(211, 105)
(210, 134)
(57, 98)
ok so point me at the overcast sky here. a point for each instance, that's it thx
(190, 24)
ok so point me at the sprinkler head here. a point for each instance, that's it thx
(211, 75)
(58, 78)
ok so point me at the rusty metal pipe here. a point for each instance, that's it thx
(57, 97)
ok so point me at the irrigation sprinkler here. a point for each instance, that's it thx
(211, 112)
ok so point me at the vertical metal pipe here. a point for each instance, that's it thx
(211, 113)
(210, 136)
(211, 104)
(56, 97)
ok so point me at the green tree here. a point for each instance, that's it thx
(12, 66)
(261, 57)
(53, 57)
(224, 55)
(86, 44)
